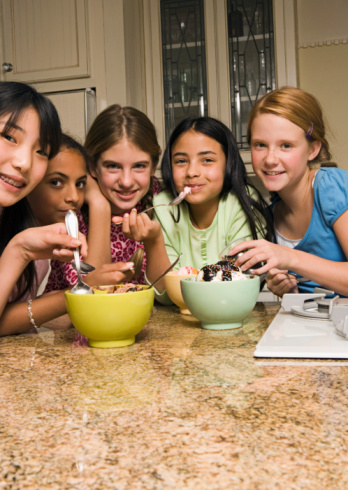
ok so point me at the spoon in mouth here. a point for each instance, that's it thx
(72, 227)
(177, 200)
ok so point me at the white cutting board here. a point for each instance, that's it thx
(290, 336)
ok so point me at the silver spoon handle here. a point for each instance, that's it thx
(72, 226)
(145, 211)
(78, 263)
(153, 207)
(166, 271)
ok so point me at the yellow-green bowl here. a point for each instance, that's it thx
(221, 305)
(110, 320)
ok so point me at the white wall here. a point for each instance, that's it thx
(323, 65)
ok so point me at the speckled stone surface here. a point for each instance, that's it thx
(182, 408)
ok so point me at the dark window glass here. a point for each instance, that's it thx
(251, 59)
(184, 64)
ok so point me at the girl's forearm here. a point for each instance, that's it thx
(12, 265)
(157, 260)
(99, 230)
(15, 318)
(329, 274)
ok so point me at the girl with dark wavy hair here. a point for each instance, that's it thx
(201, 157)
(29, 136)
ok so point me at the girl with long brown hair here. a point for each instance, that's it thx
(124, 152)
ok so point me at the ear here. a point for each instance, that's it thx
(93, 173)
(315, 147)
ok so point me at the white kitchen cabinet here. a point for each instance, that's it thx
(44, 40)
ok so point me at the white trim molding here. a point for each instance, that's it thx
(325, 42)
(322, 23)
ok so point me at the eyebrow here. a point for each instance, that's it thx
(60, 174)
(207, 152)
(118, 163)
(13, 125)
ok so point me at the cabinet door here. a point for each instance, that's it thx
(44, 40)
(184, 61)
(77, 110)
(251, 50)
(216, 40)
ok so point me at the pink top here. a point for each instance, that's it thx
(42, 267)
(63, 275)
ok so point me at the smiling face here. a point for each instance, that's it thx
(62, 188)
(280, 152)
(123, 173)
(199, 162)
(23, 163)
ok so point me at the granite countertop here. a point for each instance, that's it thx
(182, 408)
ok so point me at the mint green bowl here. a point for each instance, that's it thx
(220, 305)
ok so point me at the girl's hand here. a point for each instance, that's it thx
(139, 227)
(280, 282)
(93, 194)
(48, 242)
(109, 274)
(273, 255)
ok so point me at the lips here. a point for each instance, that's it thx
(126, 195)
(272, 174)
(14, 183)
(194, 187)
(64, 211)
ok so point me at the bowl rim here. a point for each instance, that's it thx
(250, 276)
(172, 274)
(145, 286)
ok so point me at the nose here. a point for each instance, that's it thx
(72, 194)
(193, 169)
(22, 159)
(126, 179)
(272, 156)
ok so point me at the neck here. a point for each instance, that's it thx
(299, 195)
(202, 215)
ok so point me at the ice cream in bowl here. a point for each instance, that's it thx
(221, 296)
(113, 315)
(173, 288)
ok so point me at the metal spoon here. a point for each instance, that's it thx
(299, 278)
(85, 268)
(166, 271)
(137, 258)
(72, 227)
(175, 201)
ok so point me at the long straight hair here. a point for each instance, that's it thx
(235, 179)
(115, 123)
(15, 99)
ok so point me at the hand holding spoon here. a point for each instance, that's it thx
(177, 200)
(72, 227)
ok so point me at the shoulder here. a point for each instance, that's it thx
(156, 186)
(331, 192)
(330, 183)
(163, 197)
(330, 176)
(251, 191)
(230, 201)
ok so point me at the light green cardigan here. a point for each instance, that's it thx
(200, 247)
